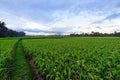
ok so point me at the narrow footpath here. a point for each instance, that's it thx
(20, 67)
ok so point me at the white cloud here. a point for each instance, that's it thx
(79, 22)
(72, 19)
(19, 23)
(38, 33)
(108, 26)
(34, 25)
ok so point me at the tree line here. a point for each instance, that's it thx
(98, 34)
(5, 32)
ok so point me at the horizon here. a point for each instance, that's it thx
(40, 17)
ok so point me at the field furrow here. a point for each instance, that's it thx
(20, 68)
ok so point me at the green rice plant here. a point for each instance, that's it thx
(80, 58)
(6, 46)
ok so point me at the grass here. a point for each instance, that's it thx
(20, 68)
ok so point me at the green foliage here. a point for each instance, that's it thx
(6, 46)
(5, 32)
(76, 58)
(20, 67)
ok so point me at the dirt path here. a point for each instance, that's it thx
(21, 68)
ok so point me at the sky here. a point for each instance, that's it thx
(45, 17)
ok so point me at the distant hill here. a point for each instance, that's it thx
(5, 32)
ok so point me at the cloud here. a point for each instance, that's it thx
(109, 17)
(47, 16)
(108, 26)
(98, 27)
(118, 5)
(40, 10)
(39, 33)
(113, 16)
(12, 21)
(21, 24)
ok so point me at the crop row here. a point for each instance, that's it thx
(6, 46)
(76, 58)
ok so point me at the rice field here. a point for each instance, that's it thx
(6, 47)
(76, 58)
(67, 58)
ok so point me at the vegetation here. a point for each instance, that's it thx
(67, 58)
(20, 67)
(76, 58)
(5, 32)
(6, 46)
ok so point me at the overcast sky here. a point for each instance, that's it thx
(41, 16)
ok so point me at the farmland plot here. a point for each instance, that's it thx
(75, 58)
(6, 46)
